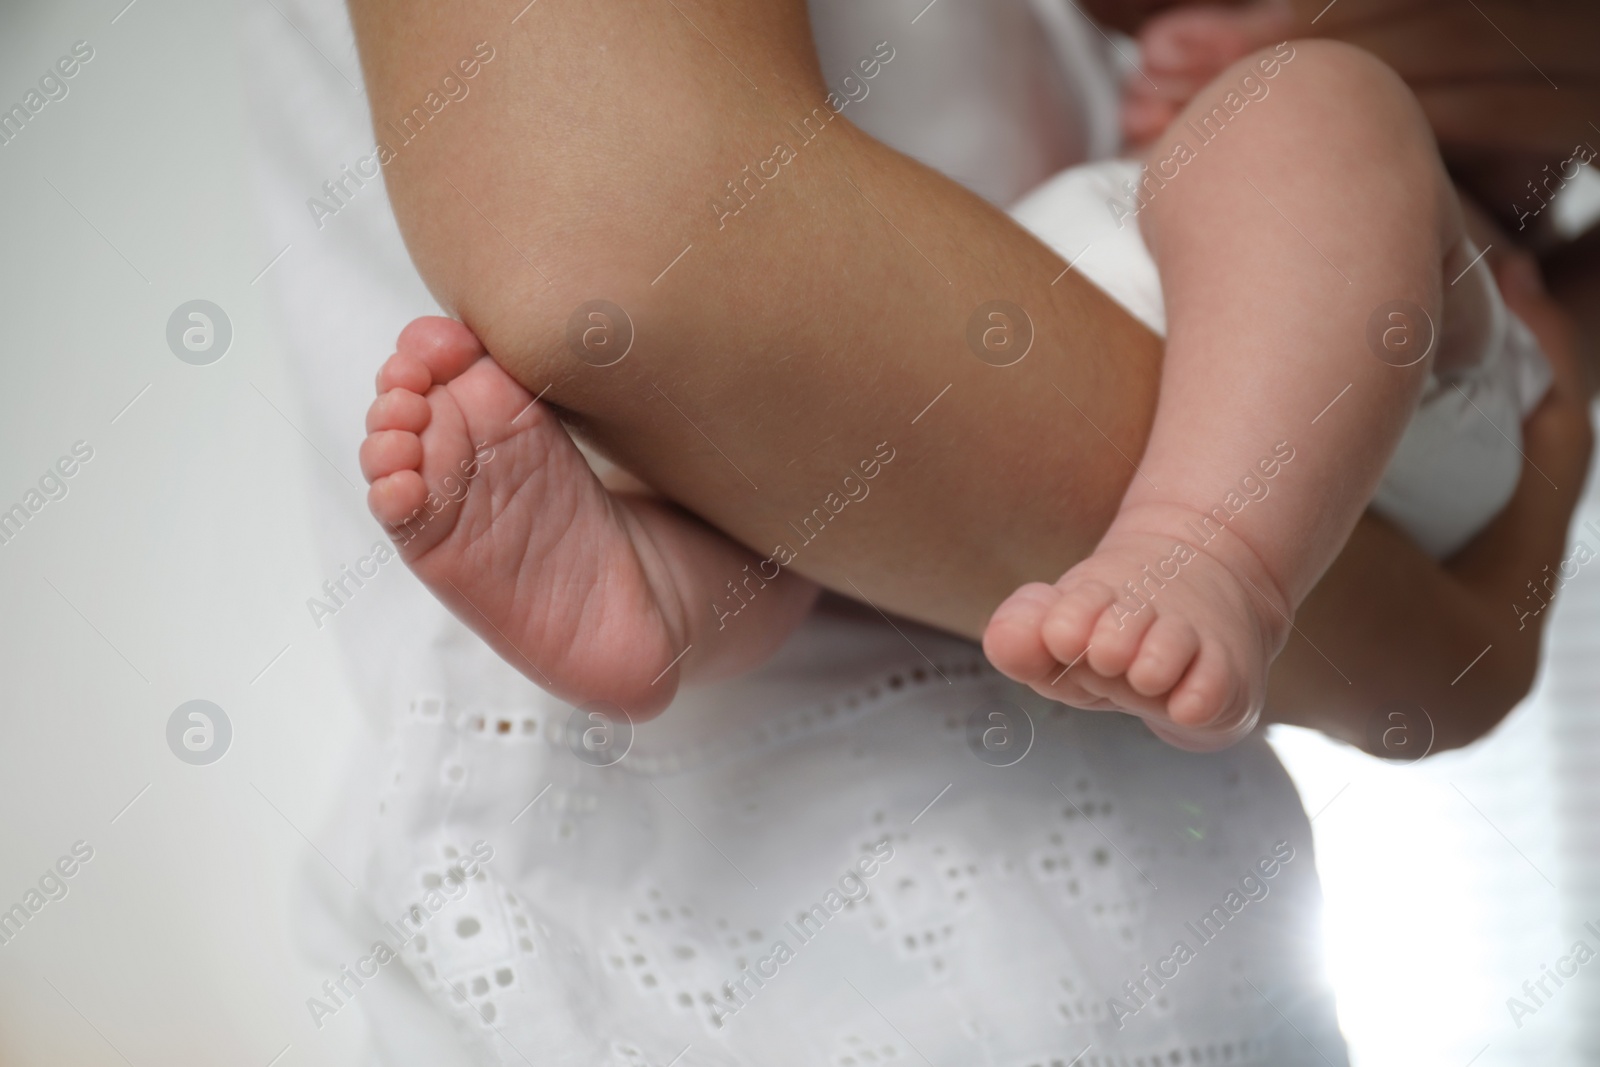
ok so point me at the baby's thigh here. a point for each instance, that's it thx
(1304, 183)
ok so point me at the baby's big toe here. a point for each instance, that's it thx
(444, 346)
(1012, 641)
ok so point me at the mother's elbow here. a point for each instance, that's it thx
(1474, 712)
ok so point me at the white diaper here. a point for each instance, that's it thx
(1460, 458)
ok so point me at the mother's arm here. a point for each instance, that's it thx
(1509, 86)
(1386, 630)
(812, 318)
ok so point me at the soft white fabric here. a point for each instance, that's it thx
(622, 905)
(619, 899)
(1460, 458)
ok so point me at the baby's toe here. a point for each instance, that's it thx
(1182, 47)
(1012, 639)
(399, 409)
(1115, 694)
(1069, 627)
(1202, 40)
(1145, 115)
(446, 347)
(397, 497)
(1117, 636)
(389, 451)
(1165, 653)
(404, 371)
(1206, 691)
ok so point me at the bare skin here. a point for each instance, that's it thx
(1261, 339)
(847, 326)
(1179, 611)
(591, 593)
(1501, 111)
(785, 346)
(1509, 136)
(577, 582)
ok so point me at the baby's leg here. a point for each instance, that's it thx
(595, 595)
(1291, 202)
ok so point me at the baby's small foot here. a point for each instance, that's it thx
(1153, 627)
(496, 510)
(1182, 49)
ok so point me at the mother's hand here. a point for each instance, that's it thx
(1509, 86)
(1557, 440)
(1487, 73)
(1470, 634)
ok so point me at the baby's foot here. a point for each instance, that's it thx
(1184, 48)
(496, 510)
(1181, 636)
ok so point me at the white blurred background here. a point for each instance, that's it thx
(177, 567)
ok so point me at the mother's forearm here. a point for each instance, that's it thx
(1388, 630)
(1451, 649)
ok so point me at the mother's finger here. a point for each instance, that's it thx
(1524, 292)
(1447, 38)
(1557, 435)
(1510, 116)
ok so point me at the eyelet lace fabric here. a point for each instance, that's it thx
(812, 865)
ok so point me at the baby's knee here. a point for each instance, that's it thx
(1337, 64)
(1353, 102)
(1334, 110)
